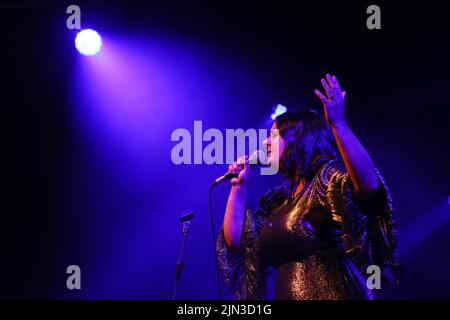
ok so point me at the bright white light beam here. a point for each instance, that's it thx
(88, 42)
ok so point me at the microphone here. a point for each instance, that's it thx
(254, 160)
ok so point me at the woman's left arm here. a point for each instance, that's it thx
(357, 160)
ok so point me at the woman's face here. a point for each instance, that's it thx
(274, 142)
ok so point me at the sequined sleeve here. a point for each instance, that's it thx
(367, 232)
(243, 272)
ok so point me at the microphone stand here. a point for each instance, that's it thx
(186, 223)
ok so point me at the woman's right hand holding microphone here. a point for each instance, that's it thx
(242, 169)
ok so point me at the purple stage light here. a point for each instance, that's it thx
(88, 42)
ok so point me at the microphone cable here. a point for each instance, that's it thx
(213, 229)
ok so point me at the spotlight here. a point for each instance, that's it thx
(88, 42)
(279, 109)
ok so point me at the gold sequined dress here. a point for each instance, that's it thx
(320, 243)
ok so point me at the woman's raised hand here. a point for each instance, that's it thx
(333, 100)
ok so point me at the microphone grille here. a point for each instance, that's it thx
(257, 157)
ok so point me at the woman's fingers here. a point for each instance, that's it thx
(237, 168)
(321, 96)
(246, 164)
(336, 84)
(242, 159)
(239, 165)
(329, 81)
(233, 167)
(331, 86)
(326, 88)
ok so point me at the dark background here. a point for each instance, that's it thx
(73, 195)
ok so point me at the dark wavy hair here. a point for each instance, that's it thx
(309, 143)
